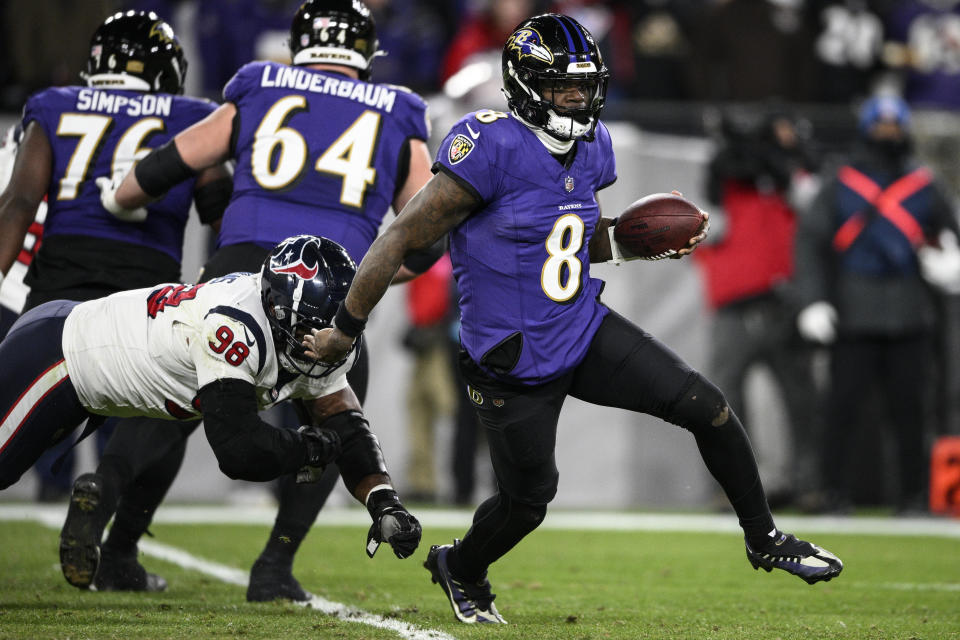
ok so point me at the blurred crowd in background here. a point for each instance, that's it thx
(671, 61)
(818, 51)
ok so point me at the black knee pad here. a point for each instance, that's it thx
(530, 485)
(526, 516)
(702, 406)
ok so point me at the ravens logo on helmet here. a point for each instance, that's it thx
(546, 55)
(136, 50)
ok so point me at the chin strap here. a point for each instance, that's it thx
(554, 146)
(566, 125)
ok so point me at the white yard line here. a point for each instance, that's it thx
(912, 586)
(231, 575)
(53, 518)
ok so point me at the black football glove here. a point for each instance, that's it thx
(391, 523)
(323, 447)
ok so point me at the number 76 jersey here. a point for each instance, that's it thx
(317, 152)
(95, 133)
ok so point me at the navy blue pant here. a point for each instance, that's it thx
(38, 404)
(56, 484)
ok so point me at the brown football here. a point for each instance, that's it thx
(657, 223)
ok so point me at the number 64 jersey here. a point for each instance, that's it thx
(317, 152)
(529, 306)
(149, 351)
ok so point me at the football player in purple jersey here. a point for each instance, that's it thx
(130, 103)
(516, 192)
(319, 149)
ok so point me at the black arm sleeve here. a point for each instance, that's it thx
(212, 199)
(360, 454)
(247, 448)
(162, 169)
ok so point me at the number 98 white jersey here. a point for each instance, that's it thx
(149, 351)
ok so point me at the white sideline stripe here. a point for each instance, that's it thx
(556, 519)
(181, 558)
(344, 612)
(915, 586)
(235, 576)
(39, 388)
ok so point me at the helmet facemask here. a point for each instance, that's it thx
(289, 329)
(554, 77)
(302, 282)
(565, 105)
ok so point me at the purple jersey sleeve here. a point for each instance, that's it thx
(608, 172)
(415, 119)
(242, 81)
(33, 111)
(470, 157)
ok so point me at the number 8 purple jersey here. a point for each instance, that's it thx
(528, 304)
(317, 152)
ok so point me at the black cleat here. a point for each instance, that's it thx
(82, 532)
(274, 581)
(801, 558)
(471, 602)
(124, 573)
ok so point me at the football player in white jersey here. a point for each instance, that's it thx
(221, 351)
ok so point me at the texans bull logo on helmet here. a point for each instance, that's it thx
(302, 283)
(528, 43)
(285, 263)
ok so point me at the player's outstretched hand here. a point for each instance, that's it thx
(392, 523)
(327, 345)
(108, 198)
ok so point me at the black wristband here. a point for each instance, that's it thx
(382, 499)
(161, 170)
(346, 323)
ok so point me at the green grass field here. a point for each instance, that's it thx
(556, 584)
